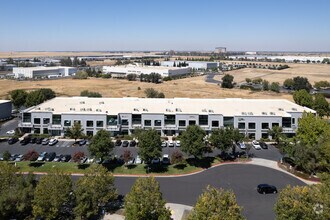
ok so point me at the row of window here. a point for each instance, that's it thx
(252, 125)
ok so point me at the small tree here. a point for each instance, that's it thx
(77, 156)
(177, 157)
(301, 83)
(145, 201)
(149, 145)
(288, 83)
(227, 81)
(75, 132)
(192, 141)
(127, 156)
(276, 133)
(302, 97)
(275, 87)
(18, 97)
(265, 85)
(6, 155)
(31, 155)
(321, 105)
(151, 93)
(221, 139)
(101, 145)
(248, 80)
(216, 204)
(131, 77)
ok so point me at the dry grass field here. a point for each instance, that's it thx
(314, 73)
(194, 87)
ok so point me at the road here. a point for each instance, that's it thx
(7, 126)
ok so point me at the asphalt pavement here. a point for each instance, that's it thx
(7, 126)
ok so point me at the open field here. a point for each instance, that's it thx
(194, 87)
(314, 72)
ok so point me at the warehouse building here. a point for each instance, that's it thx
(199, 65)
(123, 71)
(42, 71)
(5, 109)
(253, 117)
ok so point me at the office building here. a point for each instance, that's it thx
(5, 109)
(44, 72)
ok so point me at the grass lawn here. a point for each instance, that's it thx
(190, 166)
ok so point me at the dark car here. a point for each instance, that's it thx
(25, 141)
(125, 143)
(227, 157)
(263, 145)
(12, 140)
(51, 156)
(38, 140)
(33, 140)
(266, 188)
(66, 158)
(82, 142)
(118, 143)
(132, 144)
(58, 158)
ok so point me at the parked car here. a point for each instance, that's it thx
(170, 144)
(165, 159)
(266, 188)
(256, 145)
(118, 143)
(242, 145)
(138, 160)
(132, 143)
(82, 142)
(12, 140)
(33, 140)
(45, 141)
(227, 157)
(131, 161)
(155, 161)
(263, 145)
(13, 157)
(19, 158)
(11, 132)
(39, 140)
(58, 158)
(51, 156)
(164, 144)
(125, 143)
(83, 160)
(52, 142)
(66, 158)
(25, 140)
(177, 143)
(42, 156)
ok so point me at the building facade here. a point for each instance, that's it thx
(42, 71)
(199, 65)
(5, 109)
(253, 117)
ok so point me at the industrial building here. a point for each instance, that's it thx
(220, 50)
(199, 65)
(253, 117)
(5, 109)
(42, 71)
(123, 71)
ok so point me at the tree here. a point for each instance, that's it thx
(131, 77)
(257, 81)
(322, 84)
(301, 83)
(81, 75)
(145, 201)
(53, 198)
(302, 97)
(192, 141)
(227, 81)
(75, 132)
(177, 157)
(248, 80)
(265, 85)
(18, 97)
(101, 145)
(77, 156)
(321, 105)
(47, 93)
(87, 93)
(31, 155)
(152, 93)
(161, 95)
(127, 156)
(34, 98)
(6, 155)
(93, 191)
(276, 133)
(149, 145)
(275, 87)
(217, 204)
(288, 83)
(221, 139)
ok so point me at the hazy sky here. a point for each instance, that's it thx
(253, 25)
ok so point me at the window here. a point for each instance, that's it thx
(228, 121)
(241, 125)
(158, 123)
(99, 124)
(169, 119)
(293, 121)
(182, 123)
(252, 125)
(215, 124)
(57, 119)
(112, 119)
(265, 125)
(46, 121)
(67, 122)
(89, 133)
(45, 131)
(36, 121)
(76, 122)
(203, 120)
(275, 125)
(124, 122)
(192, 122)
(286, 122)
(37, 130)
(252, 135)
(264, 135)
(89, 123)
(147, 122)
(136, 119)
(26, 117)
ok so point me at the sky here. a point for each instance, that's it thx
(158, 25)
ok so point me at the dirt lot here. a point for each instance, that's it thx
(314, 72)
(194, 87)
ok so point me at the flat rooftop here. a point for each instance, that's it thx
(44, 67)
(148, 67)
(4, 101)
(225, 107)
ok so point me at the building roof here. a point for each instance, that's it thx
(225, 107)
(43, 67)
(4, 101)
(145, 67)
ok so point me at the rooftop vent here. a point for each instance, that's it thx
(38, 108)
(210, 110)
(294, 109)
(264, 113)
(168, 110)
(82, 102)
(101, 103)
(136, 109)
(178, 110)
(250, 113)
(82, 109)
(280, 109)
(204, 110)
(244, 113)
(272, 113)
(89, 109)
(72, 109)
(145, 110)
(98, 110)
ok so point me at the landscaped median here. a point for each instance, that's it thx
(190, 166)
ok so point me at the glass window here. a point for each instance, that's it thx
(67, 122)
(241, 125)
(158, 122)
(99, 124)
(264, 135)
(182, 123)
(228, 121)
(169, 119)
(46, 121)
(36, 121)
(147, 122)
(124, 122)
(203, 120)
(37, 130)
(26, 117)
(76, 122)
(215, 124)
(252, 125)
(89, 123)
(286, 122)
(45, 131)
(252, 135)
(293, 121)
(265, 125)
(112, 119)
(89, 133)
(275, 125)
(57, 119)
(136, 119)
(192, 122)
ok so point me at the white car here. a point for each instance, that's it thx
(138, 160)
(170, 144)
(52, 142)
(165, 159)
(11, 132)
(256, 145)
(242, 145)
(164, 144)
(42, 156)
(177, 143)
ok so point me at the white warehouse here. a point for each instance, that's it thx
(192, 64)
(123, 71)
(42, 71)
(253, 117)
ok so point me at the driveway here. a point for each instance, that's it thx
(7, 126)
